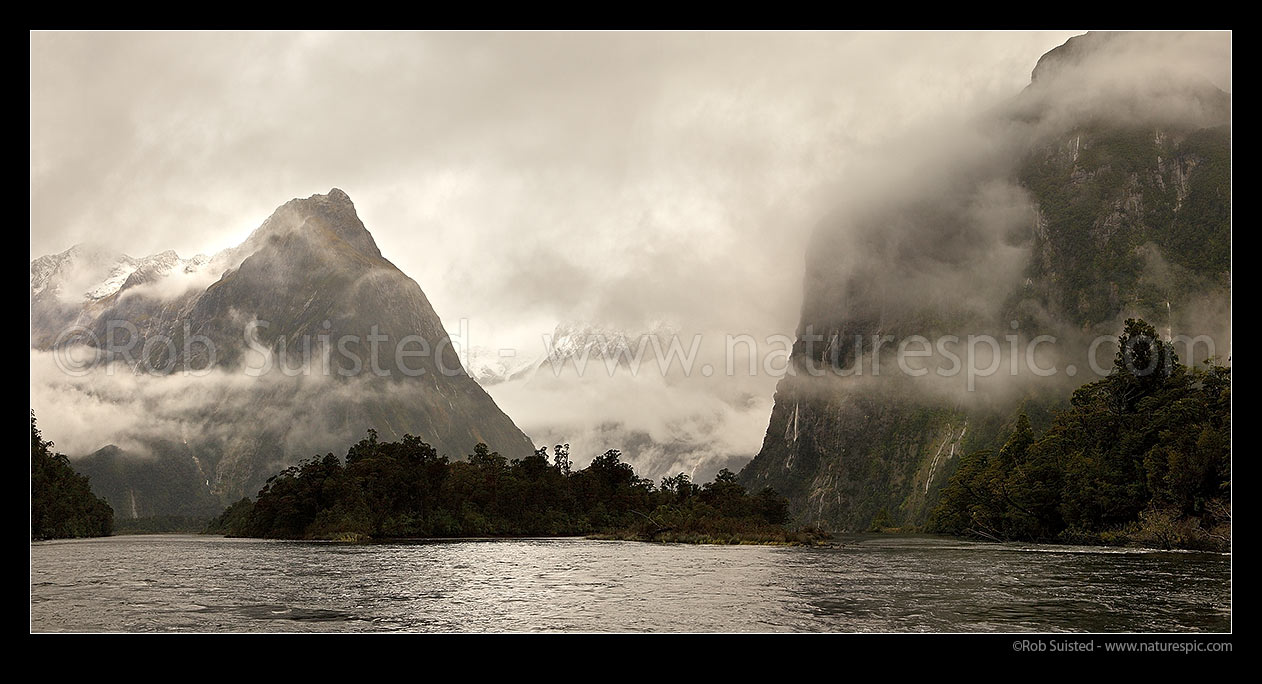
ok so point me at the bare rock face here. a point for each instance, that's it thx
(296, 342)
(1106, 195)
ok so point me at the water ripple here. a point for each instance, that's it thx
(872, 584)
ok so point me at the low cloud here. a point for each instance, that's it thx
(177, 283)
(662, 426)
(528, 178)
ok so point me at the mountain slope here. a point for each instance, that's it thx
(1103, 192)
(300, 340)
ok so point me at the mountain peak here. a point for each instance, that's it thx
(332, 215)
(1070, 54)
(1157, 79)
(335, 198)
(313, 274)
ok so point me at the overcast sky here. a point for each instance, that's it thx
(520, 178)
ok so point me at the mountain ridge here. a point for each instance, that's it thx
(313, 288)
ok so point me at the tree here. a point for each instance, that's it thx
(680, 487)
(62, 502)
(399, 489)
(561, 456)
(1144, 452)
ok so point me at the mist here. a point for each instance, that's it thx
(935, 238)
(522, 179)
(530, 179)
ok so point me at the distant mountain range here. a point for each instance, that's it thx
(598, 386)
(310, 290)
(573, 344)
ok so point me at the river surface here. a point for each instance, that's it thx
(174, 583)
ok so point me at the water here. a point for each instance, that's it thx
(872, 584)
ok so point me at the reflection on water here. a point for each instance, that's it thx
(871, 584)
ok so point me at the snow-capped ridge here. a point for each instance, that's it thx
(570, 343)
(87, 273)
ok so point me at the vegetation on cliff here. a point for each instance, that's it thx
(62, 502)
(1141, 456)
(1131, 217)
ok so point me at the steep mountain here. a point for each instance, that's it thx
(295, 342)
(1102, 191)
(170, 481)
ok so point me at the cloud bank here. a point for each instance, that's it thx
(528, 178)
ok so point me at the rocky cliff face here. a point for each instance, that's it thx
(1106, 194)
(294, 343)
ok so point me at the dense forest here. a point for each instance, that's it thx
(62, 502)
(406, 489)
(1141, 456)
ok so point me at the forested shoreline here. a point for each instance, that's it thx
(62, 502)
(1141, 456)
(405, 489)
